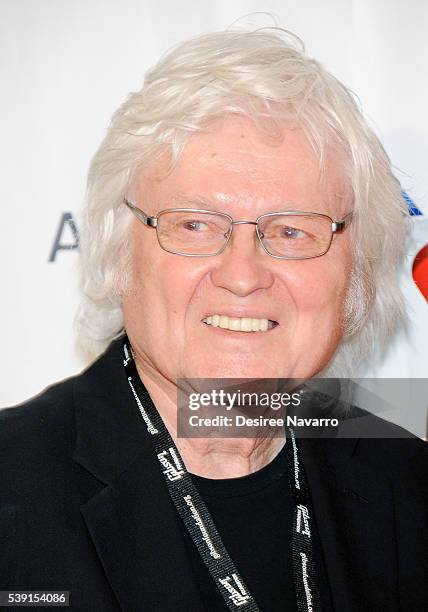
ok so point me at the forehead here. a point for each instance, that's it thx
(234, 164)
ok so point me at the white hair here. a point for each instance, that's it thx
(263, 75)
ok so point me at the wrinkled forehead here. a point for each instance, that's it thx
(233, 162)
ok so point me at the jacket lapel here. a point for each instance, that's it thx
(135, 533)
(352, 504)
(132, 523)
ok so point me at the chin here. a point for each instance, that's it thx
(243, 369)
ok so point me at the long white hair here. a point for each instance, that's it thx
(266, 76)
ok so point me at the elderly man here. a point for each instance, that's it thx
(242, 221)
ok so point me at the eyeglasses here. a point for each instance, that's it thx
(204, 233)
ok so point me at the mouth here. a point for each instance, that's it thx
(240, 324)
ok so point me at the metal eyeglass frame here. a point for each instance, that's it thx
(336, 227)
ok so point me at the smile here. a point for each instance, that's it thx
(242, 324)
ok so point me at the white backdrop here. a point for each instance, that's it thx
(66, 65)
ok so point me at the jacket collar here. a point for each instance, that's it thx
(110, 432)
(134, 525)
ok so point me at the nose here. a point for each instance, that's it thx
(243, 267)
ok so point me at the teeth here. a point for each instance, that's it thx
(264, 323)
(244, 324)
(224, 322)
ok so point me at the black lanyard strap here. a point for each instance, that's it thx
(199, 523)
(308, 599)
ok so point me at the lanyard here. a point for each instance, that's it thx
(200, 525)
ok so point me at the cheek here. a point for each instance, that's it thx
(163, 285)
(318, 287)
(317, 292)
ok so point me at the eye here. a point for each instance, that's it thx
(194, 225)
(291, 232)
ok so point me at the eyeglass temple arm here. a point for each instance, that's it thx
(150, 221)
(339, 226)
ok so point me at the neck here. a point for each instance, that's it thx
(209, 457)
(227, 457)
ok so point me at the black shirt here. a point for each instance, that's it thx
(253, 515)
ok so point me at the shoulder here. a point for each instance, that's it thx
(400, 455)
(41, 432)
(39, 428)
(388, 448)
(379, 437)
(48, 419)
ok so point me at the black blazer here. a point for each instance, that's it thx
(84, 508)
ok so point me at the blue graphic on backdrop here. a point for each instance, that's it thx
(413, 209)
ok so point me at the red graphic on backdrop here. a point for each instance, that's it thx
(420, 271)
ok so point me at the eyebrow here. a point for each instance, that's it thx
(181, 200)
(195, 201)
